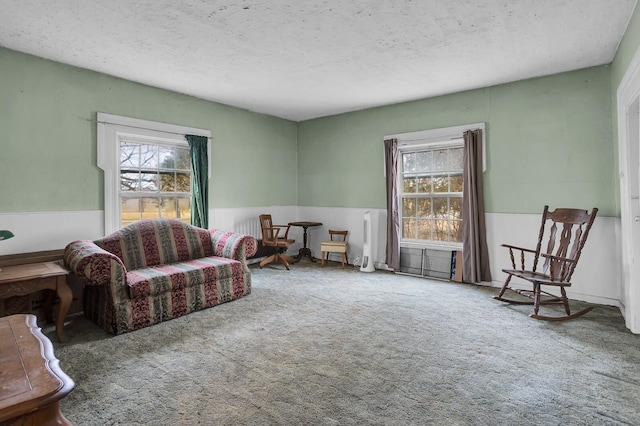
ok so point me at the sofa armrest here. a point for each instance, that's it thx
(233, 245)
(96, 266)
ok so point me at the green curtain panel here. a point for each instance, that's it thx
(200, 165)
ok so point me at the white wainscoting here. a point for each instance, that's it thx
(39, 231)
(245, 220)
(352, 220)
(597, 278)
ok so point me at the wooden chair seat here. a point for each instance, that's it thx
(535, 276)
(335, 246)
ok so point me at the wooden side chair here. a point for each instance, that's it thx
(271, 238)
(567, 231)
(335, 246)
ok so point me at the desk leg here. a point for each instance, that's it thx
(50, 295)
(66, 296)
(47, 415)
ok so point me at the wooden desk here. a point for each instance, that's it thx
(26, 279)
(304, 251)
(31, 381)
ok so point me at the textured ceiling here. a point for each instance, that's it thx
(306, 59)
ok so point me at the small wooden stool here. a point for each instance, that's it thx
(335, 246)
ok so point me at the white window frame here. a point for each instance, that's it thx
(112, 129)
(432, 139)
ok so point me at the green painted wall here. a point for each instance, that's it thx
(48, 139)
(549, 141)
(626, 50)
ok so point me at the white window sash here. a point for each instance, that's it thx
(112, 129)
(430, 140)
(437, 137)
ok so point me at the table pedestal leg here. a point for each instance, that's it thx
(304, 251)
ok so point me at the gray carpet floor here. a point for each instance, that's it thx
(330, 347)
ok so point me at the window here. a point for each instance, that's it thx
(155, 181)
(147, 169)
(429, 186)
(432, 193)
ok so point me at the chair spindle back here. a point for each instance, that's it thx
(569, 229)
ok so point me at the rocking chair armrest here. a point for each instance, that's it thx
(286, 234)
(553, 257)
(522, 256)
(275, 229)
(509, 246)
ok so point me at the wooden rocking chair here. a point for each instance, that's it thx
(557, 268)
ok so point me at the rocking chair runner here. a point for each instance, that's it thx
(557, 268)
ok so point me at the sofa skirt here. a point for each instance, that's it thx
(132, 314)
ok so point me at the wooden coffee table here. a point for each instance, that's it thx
(26, 279)
(32, 382)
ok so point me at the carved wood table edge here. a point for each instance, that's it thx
(21, 280)
(32, 381)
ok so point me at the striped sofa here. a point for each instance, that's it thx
(158, 269)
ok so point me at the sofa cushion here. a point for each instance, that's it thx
(152, 242)
(160, 279)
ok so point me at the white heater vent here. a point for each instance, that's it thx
(426, 262)
(249, 227)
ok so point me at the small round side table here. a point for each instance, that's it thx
(305, 251)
